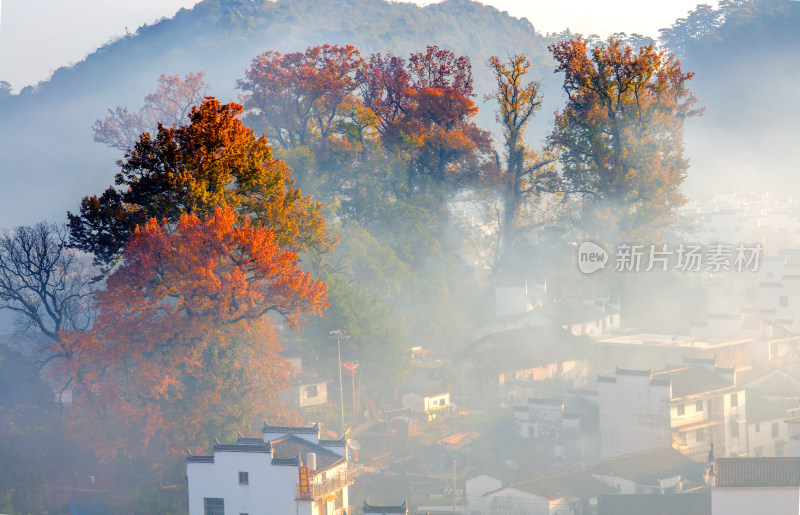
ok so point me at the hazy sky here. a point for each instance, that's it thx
(39, 36)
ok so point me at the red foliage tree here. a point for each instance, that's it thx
(182, 351)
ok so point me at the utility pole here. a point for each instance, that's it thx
(340, 335)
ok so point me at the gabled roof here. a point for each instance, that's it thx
(260, 447)
(431, 391)
(290, 447)
(693, 380)
(648, 467)
(290, 430)
(655, 504)
(528, 347)
(403, 508)
(757, 472)
(761, 409)
(577, 484)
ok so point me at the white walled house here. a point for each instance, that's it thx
(429, 401)
(308, 391)
(289, 470)
(689, 407)
(634, 413)
(756, 486)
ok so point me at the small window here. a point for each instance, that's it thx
(681, 410)
(783, 301)
(758, 428)
(311, 391)
(734, 429)
(244, 478)
(774, 430)
(759, 452)
(700, 435)
(734, 400)
(698, 406)
(213, 506)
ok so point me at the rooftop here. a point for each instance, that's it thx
(289, 447)
(757, 472)
(577, 483)
(648, 467)
(649, 504)
(529, 347)
(368, 508)
(669, 340)
(290, 429)
(693, 380)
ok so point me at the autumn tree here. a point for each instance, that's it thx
(525, 174)
(296, 98)
(183, 350)
(212, 162)
(169, 105)
(436, 134)
(621, 133)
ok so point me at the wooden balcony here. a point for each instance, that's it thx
(331, 484)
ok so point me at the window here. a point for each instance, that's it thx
(774, 430)
(700, 435)
(758, 428)
(311, 391)
(698, 406)
(681, 409)
(734, 400)
(783, 301)
(759, 452)
(244, 478)
(734, 429)
(213, 506)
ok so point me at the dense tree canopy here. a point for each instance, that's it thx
(181, 351)
(621, 133)
(212, 162)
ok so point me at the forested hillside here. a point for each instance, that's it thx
(220, 38)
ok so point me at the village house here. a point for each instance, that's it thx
(568, 493)
(564, 431)
(512, 366)
(689, 407)
(656, 471)
(583, 317)
(427, 402)
(755, 485)
(287, 470)
(690, 503)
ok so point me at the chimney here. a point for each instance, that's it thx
(311, 461)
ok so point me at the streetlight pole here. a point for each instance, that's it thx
(340, 334)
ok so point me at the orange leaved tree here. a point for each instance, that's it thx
(183, 350)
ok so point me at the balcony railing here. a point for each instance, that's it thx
(331, 484)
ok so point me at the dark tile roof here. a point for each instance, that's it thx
(757, 472)
(290, 447)
(529, 347)
(577, 483)
(368, 508)
(693, 380)
(246, 440)
(648, 467)
(761, 409)
(191, 458)
(341, 442)
(572, 311)
(655, 504)
(262, 447)
(290, 429)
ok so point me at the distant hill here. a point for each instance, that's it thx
(48, 160)
(747, 66)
